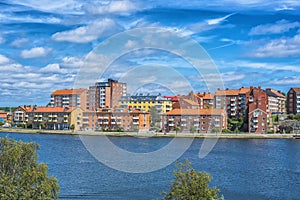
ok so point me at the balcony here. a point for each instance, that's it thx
(65, 121)
(105, 122)
(85, 122)
(171, 119)
(54, 116)
(135, 117)
(135, 123)
(233, 104)
(232, 100)
(183, 125)
(54, 120)
(255, 120)
(183, 119)
(171, 124)
(66, 116)
(113, 122)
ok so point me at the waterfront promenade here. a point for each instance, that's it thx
(150, 134)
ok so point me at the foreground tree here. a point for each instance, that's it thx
(21, 176)
(189, 184)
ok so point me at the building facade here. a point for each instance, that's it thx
(55, 118)
(293, 101)
(257, 100)
(69, 98)
(234, 101)
(105, 94)
(145, 102)
(200, 120)
(123, 119)
(20, 113)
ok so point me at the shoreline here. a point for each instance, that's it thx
(148, 135)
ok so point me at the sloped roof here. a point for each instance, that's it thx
(274, 93)
(227, 92)
(27, 108)
(297, 90)
(53, 109)
(244, 90)
(191, 102)
(68, 92)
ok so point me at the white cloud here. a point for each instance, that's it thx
(3, 59)
(35, 52)
(218, 20)
(88, 33)
(116, 6)
(288, 81)
(51, 68)
(281, 26)
(19, 42)
(71, 62)
(263, 65)
(279, 48)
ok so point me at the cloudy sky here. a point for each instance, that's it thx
(43, 44)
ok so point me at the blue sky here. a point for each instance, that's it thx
(44, 43)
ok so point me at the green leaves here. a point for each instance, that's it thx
(190, 184)
(21, 177)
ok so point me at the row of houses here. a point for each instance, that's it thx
(106, 106)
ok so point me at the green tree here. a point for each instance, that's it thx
(21, 176)
(192, 129)
(72, 127)
(176, 129)
(190, 184)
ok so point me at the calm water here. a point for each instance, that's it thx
(242, 169)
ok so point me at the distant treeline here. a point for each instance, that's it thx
(8, 109)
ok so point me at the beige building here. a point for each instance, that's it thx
(55, 118)
(21, 112)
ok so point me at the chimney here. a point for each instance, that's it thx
(259, 87)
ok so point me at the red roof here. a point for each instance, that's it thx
(53, 109)
(68, 92)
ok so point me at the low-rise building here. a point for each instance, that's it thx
(20, 113)
(55, 118)
(123, 119)
(201, 120)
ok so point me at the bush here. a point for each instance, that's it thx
(226, 131)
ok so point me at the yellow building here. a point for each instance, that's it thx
(145, 102)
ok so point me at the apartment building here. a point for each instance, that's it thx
(257, 100)
(202, 120)
(69, 98)
(205, 100)
(184, 103)
(293, 101)
(112, 119)
(276, 102)
(145, 102)
(89, 121)
(105, 94)
(234, 101)
(55, 118)
(20, 113)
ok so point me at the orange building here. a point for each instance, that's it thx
(3, 116)
(202, 120)
(112, 119)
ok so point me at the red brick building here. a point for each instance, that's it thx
(257, 103)
(202, 120)
(293, 101)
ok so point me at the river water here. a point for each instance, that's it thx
(241, 168)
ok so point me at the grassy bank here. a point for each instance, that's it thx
(135, 134)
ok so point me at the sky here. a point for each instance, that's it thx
(44, 44)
